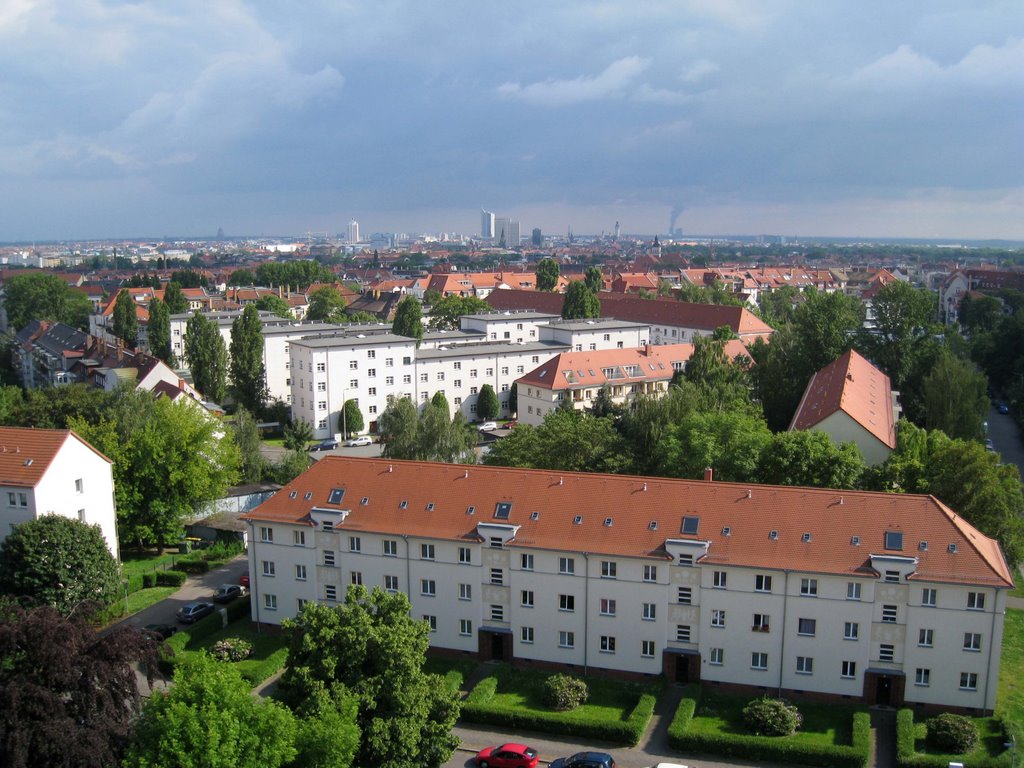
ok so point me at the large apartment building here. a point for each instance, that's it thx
(872, 597)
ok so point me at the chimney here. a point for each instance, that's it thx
(709, 474)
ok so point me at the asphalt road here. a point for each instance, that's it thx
(1006, 438)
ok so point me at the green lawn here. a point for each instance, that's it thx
(269, 652)
(1010, 695)
(138, 563)
(454, 671)
(990, 742)
(137, 601)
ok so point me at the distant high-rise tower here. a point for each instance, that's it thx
(538, 238)
(353, 231)
(486, 224)
(506, 231)
(616, 230)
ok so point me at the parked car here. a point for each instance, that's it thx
(244, 580)
(507, 756)
(225, 593)
(190, 613)
(488, 426)
(159, 631)
(325, 445)
(989, 445)
(1002, 408)
(511, 423)
(585, 760)
(670, 765)
(362, 440)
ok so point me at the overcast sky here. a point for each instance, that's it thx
(795, 117)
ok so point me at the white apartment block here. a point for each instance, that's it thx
(889, 599)
(55, 472)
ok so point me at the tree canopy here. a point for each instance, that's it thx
(487, 404)
(248, 373)
(326, 305)
(273, 303)
(580, 302)
(408, 319)
(399, 426)
(903, 316)
(810, 458)
(445, 314)
(176, 302)
(44, 296)
(955, 397)
(207, 357)
(158, 332)
(594, 279)
(126, 321)
(567, 439)
(547, 274)
(352, 418)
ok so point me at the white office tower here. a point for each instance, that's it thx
(353, 231)
(506, 232)
(486, 224)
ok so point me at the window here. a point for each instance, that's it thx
(928, 597)
(465, 591)
(650, 573)
(849, 669)
(269, 569)
(526, 598)
(300, 603)
(497, 576)
(762, 583)
(718, 618)
(889, 614)
(925, 637)
(329, 557)
(270, 603)
(321, 386)
(608, 569)
(682, 633)
(299, 538)
(761, 622)
(892, 576)
(853, 590)
(649, 612)
(717, 656)
(972, 641)
(496, 542)
(718, 579)
(607, 607)
(886, 652)
(526, 562)
(807, 627)
(355, 544)
(81, 515)
(428, 587)
(686, 561)
(526, 634)
(851, 630)
(389, 381)
(758, 660)
(356, 577)
(922, 677)
(804, 665)
(968, 681)
(465, 627)
(566, 639)
(894, 540)
(567, 602)
(684, 595)
(423, 377)
(607, 644)
(353, 365)
(431, 622)
(465, 555)
(330, 592)
(391, 583)
(567, 565)
(78, 485)
(300, 572)
(975, 601)
(809, 587)
(390, 548)
(389, 362)
(266, 535)
(426, 551)
(497, 612)
(647, 649)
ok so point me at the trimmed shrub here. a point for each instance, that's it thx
(206, 626)
(231, 649)
(239, 608)
(148, 580)
(192, 566)
(953, 734)
(170, 578)
(135, 583)
(563, 692)
(771, 717)
(256, 671)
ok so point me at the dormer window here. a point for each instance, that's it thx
(337, 494)
(894, 540)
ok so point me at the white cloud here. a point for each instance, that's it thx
(648, 93)
(555, 93)
(698, 70)
(983, 65)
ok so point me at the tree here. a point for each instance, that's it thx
(375, 650)
(69, 694)
(273, 303)
(242, 277)
(291, 465)
(778, 376)
(810, 458)
(126, 322)
(594, 279)
(980, 313)
(297, 435)
(580, 302)
(716, 293)
(431, 296)
(645, 423)
(398, 427)
(778, 307)
(445, 314)
(169, 458)
(359, 316)
(730, 442)
(189, 278)
(207, 357)
(442, 438)
(568, 440)
(59, 562)
(513, 399)
(210, 719)
(43, 296)
(248, 374)
(547, 274)
(603, 404)
(723, 383)
(351, 418)
(408, 319)
(903, 315)
(55, 407)
(252, 466)
(326, 305)
(955, 398)
(175, 300)
(158, 332)
(487, 405)
(825, 325)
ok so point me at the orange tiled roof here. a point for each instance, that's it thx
(853, 385)
(643, 513)
(26, 454)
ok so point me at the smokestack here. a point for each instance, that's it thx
(709, 474)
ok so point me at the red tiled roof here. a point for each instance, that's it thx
(26, 454)
(642, 513)
(853, 385)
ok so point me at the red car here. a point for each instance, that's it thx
(507, 756)
(244, 580)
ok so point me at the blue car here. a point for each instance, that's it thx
(585, 760)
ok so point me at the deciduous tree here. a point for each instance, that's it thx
(594, 279)
(248, 373)
(275, 304)
(398, 426)
(126, 322)
(730, 442)
(297, 434)
(352, 418)
(903, 315)
(811, 459)
(445, 314)
(44, 296)
(547, 274)
(326, 305)
(158, 332)
(252, 465)
(176, 302)
(955, 398)
(580, 302)
(568, 440)
(207, 357)
(408, 319)
(242, 277)
(487, 405)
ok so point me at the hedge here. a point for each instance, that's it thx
(170, 578)
(135, 583)
(769, 748)
(148, 580)
(477, 709)
(193, 566)
(256, 671)
(907, 755)
(239, 608)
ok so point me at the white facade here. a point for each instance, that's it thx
(597, 333)
(486, 224)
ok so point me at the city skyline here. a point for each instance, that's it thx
(716, 117)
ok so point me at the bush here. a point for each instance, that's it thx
(170, 578)
(771, 717)
(563, 692)
(193, 566)
(231, 649)
(149, 580)
(135, 583)
(239, 608)
(223, 551)
(953, 734)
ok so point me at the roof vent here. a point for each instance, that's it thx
(855, 541)
(652, 526)
(535, 515)
(391, 468)
(561, 481)
(28, 463)
(470, 510)
(608, 522)
(364, 501)
(923, 546)
(403, 504)
(805, 538)
(293, 494)
(952, 548)
(430, 507)
(773, 535)
(750, 494)
(645, 484)
(577, 520)
(727, 531)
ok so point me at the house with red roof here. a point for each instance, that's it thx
(852, 401)
(55, 472)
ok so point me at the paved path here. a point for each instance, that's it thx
(883, 738)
